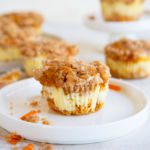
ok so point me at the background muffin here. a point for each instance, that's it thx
(35, 52)
(11, 38)
(122, 10)
(32, 20)
(74, 87)
(128, 58)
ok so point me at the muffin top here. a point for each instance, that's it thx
(123, 1)
(12, 35)
(72, 75)
(25, 19)
(47, 47)
(128, 50)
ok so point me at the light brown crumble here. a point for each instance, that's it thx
(73, 76)
(31, 116)
(29, 147)
(46, 146)
(12, 35)
(13, 138)
(128, 50)
(25, 19)
(34, 103)
(45, 121)
(49, 47)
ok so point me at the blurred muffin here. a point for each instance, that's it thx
(32, 20)
(35, 52)
(74, 87)
(11, 37)
(122, 10)
(128, 59)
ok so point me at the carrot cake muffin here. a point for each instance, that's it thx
(128, 58)
(32, 20)
(11, 37)
(74, 87)
(35, 52)
(122, 10)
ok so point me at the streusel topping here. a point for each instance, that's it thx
(25, 19)
(48, 47)
(128, 50)
(12, 35)
(72, 75)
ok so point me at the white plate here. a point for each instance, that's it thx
(123, 112)
(99, 24)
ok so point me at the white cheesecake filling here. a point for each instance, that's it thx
(70, 101)
(141, 68)
(120, 8)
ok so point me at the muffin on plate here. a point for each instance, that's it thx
(74, 87)
(32, 20)
(128, 59)
(35, 52)
(122, 10)
(11, 37)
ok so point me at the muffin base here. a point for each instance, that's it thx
(79, 110)
(129, 70)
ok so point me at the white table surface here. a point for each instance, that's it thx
(89, 43)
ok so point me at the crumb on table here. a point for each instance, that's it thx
(29, 147)
(13, 138)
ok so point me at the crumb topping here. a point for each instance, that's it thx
(72, 75)
(12, 35)
(48, 47)
(25, 19)
(128, 50)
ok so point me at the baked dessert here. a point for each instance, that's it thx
(35, 52)
(10, 77)
(11, 37)
(128, 59)
(122, 10)
(32, 20)
(74, 87)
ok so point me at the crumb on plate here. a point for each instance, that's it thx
(31, 116)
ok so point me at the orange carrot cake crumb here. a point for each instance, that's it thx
(34, 103)
(29, 147)
(114, 87)
(32, 116)
(13, 138)
(46, 147)
(45, 121)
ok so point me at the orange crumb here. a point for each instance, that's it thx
(29, 147)
(15, 148)
(34, 103)
(45, 121)
(13, 138)
(46, 146)
(32, 116)
(114, 87)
